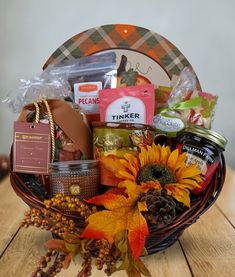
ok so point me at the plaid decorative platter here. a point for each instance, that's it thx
(147, 52)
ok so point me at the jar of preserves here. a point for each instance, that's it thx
(203, 147)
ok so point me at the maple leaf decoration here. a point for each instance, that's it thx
(123, 212)
(129, 77)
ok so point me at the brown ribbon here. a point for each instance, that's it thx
(69, 121)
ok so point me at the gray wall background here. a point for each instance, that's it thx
(30, 30)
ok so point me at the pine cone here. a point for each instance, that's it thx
(161, 207)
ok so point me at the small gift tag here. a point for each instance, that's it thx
(31, 147)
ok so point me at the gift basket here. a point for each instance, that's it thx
(113, 150)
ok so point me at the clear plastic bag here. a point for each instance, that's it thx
(87, 76)
(43, 86)
(189, 104)
(185, 84)
(99, 67)
(186, 106)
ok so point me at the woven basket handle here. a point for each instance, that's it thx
(51, 122)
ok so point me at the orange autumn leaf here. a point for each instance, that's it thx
(122, 213)
(107, 177)
(107, 196)
(109, 167)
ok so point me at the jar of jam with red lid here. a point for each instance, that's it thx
(203, 147)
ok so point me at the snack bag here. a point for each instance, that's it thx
(186, 106)
(88, 75)
(128, 104)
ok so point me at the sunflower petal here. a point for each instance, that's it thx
(129, 167)
(150, 185)
(172, 160)
(197, 178)
(188, 186)
(125, 163)
(157, 152)
(132, 189)
(122, 174)
(151, 154)
(190, 171)
(191, 182)
(132, 159)
(143, 157)
(164, 154)
(180, 161)
(180, 194)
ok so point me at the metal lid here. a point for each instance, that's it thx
(122, 125)
(208, 134)
(74, 165)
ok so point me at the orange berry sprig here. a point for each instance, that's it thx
(70, 204)
(45, 268)
(50, 221)
(57, 266)
(104, 251)
(86, 264)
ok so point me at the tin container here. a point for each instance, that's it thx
(203, 147)
(120, 138)
(77, 178)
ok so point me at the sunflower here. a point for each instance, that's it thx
(157, 164)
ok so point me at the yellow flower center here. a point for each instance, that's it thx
(156, 172)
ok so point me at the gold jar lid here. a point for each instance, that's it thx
(208, 134)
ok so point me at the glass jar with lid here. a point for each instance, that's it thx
(79, 178)
(203, 147)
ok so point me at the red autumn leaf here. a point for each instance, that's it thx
(137, 230)
(67, 261)
(56, 244)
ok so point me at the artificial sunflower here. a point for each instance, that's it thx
(157, 164)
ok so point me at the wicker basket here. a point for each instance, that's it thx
(158, 239)
(85, 44)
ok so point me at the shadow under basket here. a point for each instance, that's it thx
(158, 239)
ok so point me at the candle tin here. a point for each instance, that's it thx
(78, 178)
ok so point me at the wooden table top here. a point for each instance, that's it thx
(207, 248)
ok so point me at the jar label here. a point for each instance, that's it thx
(168, 124)
(75, 189)
(205, 162)
(199, 152)
(31, 147)
(87, 96)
